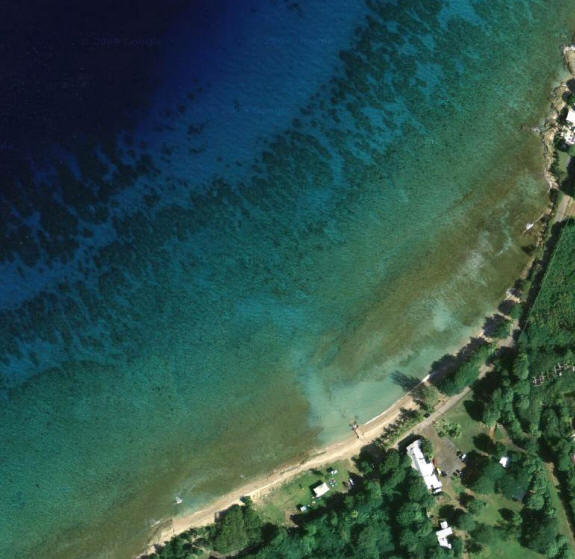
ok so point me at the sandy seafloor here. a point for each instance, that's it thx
(329, 201)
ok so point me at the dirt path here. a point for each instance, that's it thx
(450, 403)
(564, 209)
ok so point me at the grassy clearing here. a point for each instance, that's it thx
(495, 502)
(510, 549)
(280, 504)
(490, 515)
(469, 427)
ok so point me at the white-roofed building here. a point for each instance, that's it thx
(504, 461)
(569, 135)
(425, 468)
(443, 534)
(569, 128)
(321, 489)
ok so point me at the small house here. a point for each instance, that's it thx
(504, 461)
(443, 534)
(569, 128)
(320, 489)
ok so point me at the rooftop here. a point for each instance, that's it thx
(425, 468)
(569, 135)
(321, 489)
(443, 534)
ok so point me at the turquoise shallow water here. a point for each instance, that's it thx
(337, 198)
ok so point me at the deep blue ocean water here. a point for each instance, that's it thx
(228, 227)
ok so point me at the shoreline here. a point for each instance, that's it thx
(343, 449)
(372, 429)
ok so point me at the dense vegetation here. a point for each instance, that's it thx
(530, 393)
(467, 370)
